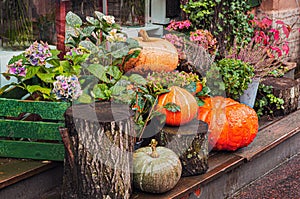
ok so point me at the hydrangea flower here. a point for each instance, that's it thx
(66, 88)
(37, 53)
(17, 68)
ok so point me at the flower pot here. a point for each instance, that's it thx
(249, 95)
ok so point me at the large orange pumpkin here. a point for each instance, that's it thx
(156, 55)
(182, 98)
(232, 125)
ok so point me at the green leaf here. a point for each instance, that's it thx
(36, 88)
(84, 98)
(172, 107)
(119, 50)
(73, 20)
(92, 21)
(87, 31)
(4, 88)
(150, 98)
(89, 46)
(101, 91)
(99, 15)
(138, 79)
(114, 71)
(117, 90)
(98, 71)
(46, 77)
(31, 71)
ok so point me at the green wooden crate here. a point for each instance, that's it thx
(32, 139)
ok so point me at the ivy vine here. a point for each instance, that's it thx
(226, 20)
(266, 102)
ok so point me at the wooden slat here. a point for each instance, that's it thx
(218, 164)
(14, 170)
(47, 110)
(272, 135)
(29, 129)
(32, 150)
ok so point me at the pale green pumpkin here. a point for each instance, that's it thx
(155, 169)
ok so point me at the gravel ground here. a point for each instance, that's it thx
(283, 182)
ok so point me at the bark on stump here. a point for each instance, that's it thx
(288, 90)
(99, 143)
(190, 143)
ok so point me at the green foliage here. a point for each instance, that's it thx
(90, 33)
(39, 79)
(226, 20)
(266, 102)
(235, 77)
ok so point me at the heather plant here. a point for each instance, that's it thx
(268, 48)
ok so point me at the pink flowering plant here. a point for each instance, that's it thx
(40, 72)
(180, 26)
(268, 49)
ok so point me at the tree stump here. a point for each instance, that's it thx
(288, 90)
(99, 142)
(190, 143)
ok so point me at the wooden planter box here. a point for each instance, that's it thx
(29, 129)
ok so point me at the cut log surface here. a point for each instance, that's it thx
(190, 143)
(288, 90)
(99, 145)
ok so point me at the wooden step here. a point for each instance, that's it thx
(228, 172)
(20, 178)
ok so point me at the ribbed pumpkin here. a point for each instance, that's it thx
(155, 169)
(156, 55)
(182, 98)
(232, 125)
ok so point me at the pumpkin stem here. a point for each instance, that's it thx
(154, 153)
(144, 35)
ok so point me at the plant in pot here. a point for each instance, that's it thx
(267, 53)
(235, 77)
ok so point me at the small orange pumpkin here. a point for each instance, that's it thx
(156, 55)
(182, 98)
(232, 125)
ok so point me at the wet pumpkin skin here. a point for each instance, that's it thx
(184, 99)
(156, 55)
(232, 125)
(155, 174)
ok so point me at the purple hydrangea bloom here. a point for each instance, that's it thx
(67, 88)
(37, 53)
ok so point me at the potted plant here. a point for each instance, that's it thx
(230, 77)
(267, 53)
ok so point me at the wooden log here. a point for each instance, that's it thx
(288, 90)
(99, 146)
(190, 143)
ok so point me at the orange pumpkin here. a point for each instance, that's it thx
(182, 98)
(232, 125)
(156, 55)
